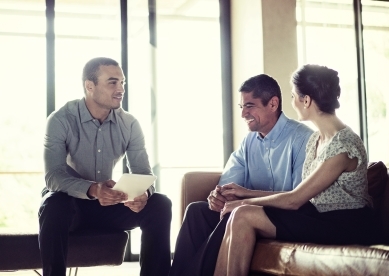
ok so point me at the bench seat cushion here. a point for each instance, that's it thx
(284, 258)
(21, 251)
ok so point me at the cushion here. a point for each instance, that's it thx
(377, 177)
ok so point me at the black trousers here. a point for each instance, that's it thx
(59, 214)
(198, 241)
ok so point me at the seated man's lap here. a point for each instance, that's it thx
(89, 214)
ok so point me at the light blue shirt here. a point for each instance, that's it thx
(272, 163)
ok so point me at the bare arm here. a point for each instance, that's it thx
(241, 192)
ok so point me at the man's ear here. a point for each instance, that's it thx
(274, 102)
(89, 85)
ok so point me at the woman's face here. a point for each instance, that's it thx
(298, 104)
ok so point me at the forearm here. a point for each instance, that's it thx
(59, 180)
(282, 200)
(259, 193)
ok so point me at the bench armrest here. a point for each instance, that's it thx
(196, 186)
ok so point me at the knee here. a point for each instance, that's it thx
(241, 215)
(56, 207)
(196, 209)
(161, 203)
(56, 203)
(163, 200)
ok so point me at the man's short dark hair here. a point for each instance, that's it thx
(91, 68)
(263, 87)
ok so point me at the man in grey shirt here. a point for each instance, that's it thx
(83, 142)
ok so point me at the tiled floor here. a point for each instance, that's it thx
(126, 269)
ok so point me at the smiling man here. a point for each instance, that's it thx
(83, 142)
(269, 160)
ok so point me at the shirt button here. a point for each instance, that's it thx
(98, 171)
(99, 129)
(99, 150)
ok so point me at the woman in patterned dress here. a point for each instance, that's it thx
(330, 206)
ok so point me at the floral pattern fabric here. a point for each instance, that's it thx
(350, 190)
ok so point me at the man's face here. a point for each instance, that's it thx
(108, 92)
(259, 118)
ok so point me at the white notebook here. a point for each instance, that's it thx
(134, 184)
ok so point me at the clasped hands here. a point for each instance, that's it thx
(225, 198)
(104, 193)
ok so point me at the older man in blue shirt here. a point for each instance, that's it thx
(269, 160)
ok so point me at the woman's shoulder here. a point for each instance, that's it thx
(347, 141)
(348, 138)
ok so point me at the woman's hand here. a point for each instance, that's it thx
(229, 206)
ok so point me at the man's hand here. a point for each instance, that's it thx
(138, 204)
(233, 191)
(104, 193)
(216, 200)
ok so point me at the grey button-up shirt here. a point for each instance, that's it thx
(78, 150)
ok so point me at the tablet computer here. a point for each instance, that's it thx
(134, 184)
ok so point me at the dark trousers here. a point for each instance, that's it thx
(198, 241)
(59, 214)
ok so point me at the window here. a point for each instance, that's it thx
(326, 36)
(82, 31)
(375, 16)
(23, 112)
(183, 71)
(176, 93)
(188, 95)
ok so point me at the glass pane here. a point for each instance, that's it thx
(375, 16)
(83, 30)
(22, 116)
(19, 208)
(184, 73)
(188, 94)
(139, 81)
(326, 36)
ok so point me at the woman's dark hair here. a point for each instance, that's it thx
(263, 87)
(320, 83)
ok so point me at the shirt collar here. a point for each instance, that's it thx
(275, 132)
(86, 116)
